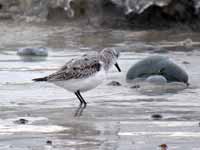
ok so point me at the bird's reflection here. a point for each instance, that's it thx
(79, 110)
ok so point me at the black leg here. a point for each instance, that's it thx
(82, 99)
(80, 109)
(79, 98)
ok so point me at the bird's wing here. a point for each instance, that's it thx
(76, 61)
(76, 69)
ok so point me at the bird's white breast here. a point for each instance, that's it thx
(83, 84)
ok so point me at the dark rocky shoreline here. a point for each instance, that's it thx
(126, 14)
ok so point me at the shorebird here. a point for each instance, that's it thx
(84, 73)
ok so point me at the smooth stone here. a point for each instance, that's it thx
(186, 62)
(187, 42)
(163, 146)
(114, 83)
(156, 116)
(135, 86)
(49, 142)
(157, 79)
(157, 65)
(21, 121)
(28, 51)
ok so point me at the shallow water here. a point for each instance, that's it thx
(116, 117)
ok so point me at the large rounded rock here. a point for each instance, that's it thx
(157, 65)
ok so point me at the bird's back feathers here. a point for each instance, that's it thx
(75, 69)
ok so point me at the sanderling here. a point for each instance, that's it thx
(84, 73)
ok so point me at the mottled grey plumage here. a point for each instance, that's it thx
(76, 69)
(84, 66)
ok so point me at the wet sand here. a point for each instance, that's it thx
(116, 117)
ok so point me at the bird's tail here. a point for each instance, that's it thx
(40, 79)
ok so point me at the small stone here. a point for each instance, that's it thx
(135, 86)
(29, 51)
(156, 116)
(114, 83)
(185, 62)
(21, 121)
(186, 43)
(49, 142)
(163, 146)
(157, 79)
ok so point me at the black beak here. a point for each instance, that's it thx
(117, 66)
